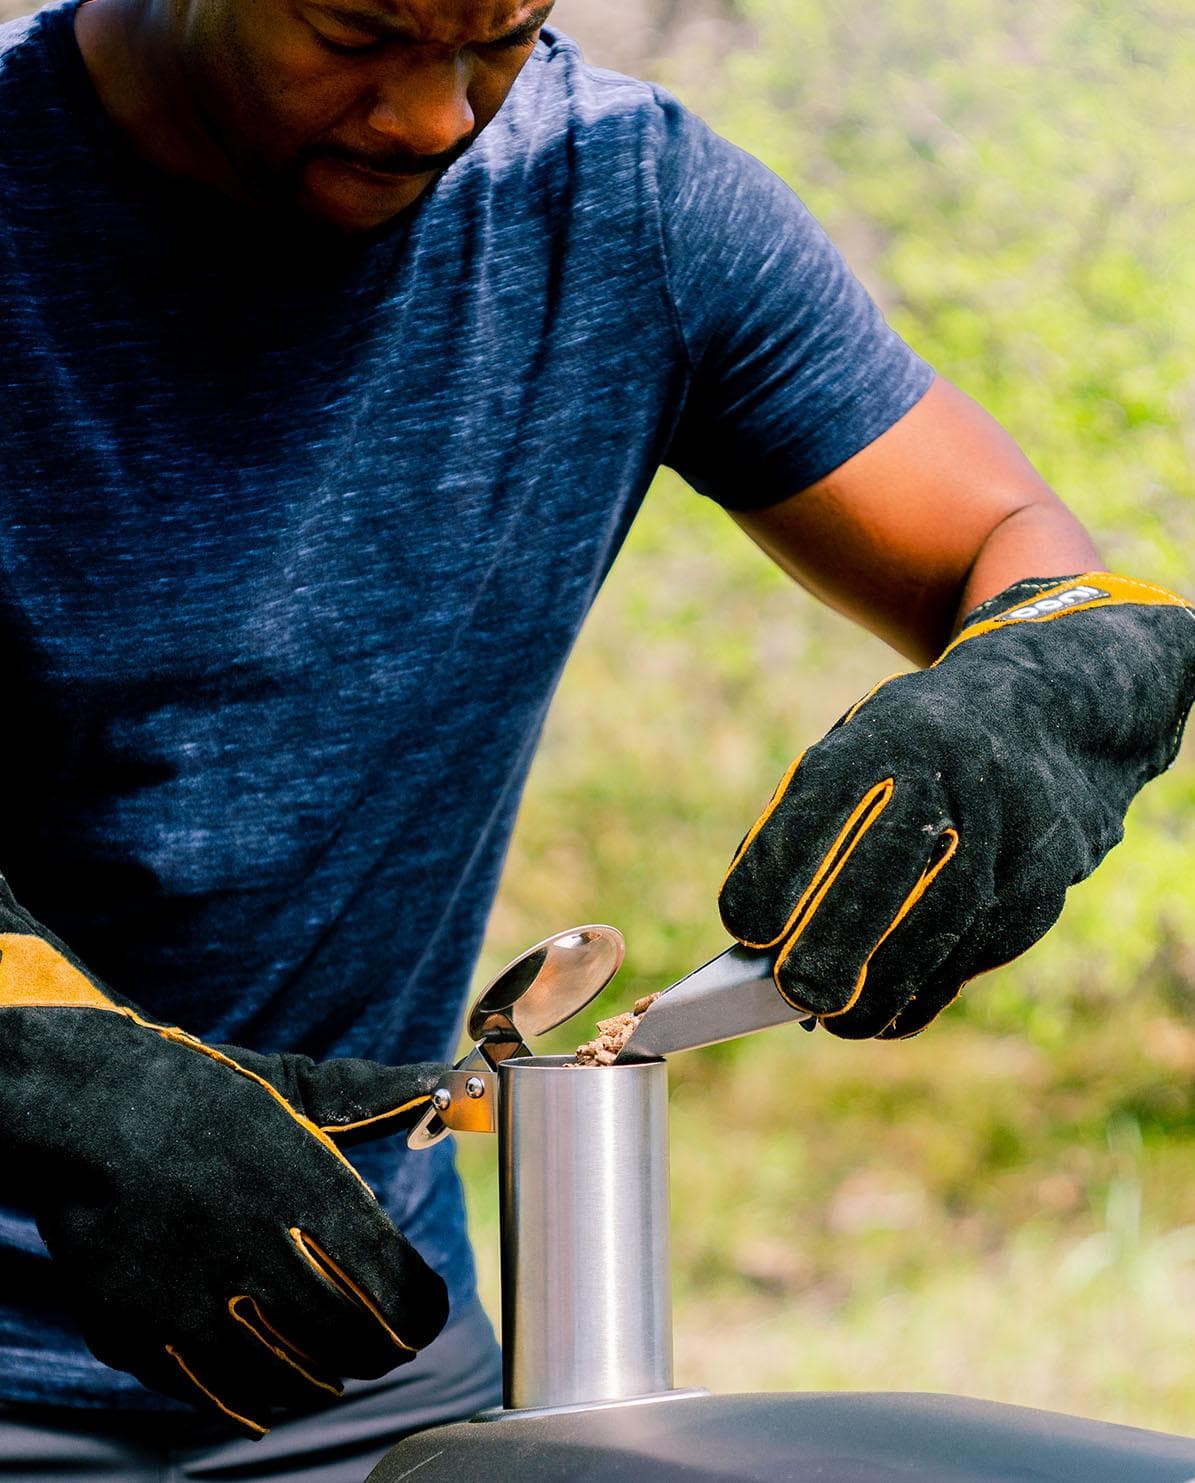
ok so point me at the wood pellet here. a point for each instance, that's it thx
(613, 1034)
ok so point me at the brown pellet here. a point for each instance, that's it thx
(612, 1035)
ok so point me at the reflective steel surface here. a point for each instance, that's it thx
(549, 983)
(731, 995)
(539, 990)
(586, 1293)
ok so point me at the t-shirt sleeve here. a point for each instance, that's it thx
(793, 368)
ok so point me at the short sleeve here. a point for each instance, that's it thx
(793, 368)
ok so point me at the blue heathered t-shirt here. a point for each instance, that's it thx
(296, 540)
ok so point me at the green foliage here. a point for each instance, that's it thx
(1002, 1206)
(1011, 181)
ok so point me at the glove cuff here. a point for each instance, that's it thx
(37, 969)
(1043, 599)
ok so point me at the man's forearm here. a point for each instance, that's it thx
(939, 513)
(1040, 540)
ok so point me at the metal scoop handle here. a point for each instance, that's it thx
(733, 994)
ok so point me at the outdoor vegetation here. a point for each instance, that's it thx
(1005, 1206)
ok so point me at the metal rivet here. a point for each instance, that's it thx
(475, 1087)
(441, 1099)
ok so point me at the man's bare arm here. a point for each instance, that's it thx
(940, 512)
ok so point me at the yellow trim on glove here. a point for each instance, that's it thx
(928, 876)
(254, 1426)
(284, 1348)
(33, 973)
(861, 818)
(336, 1277)
(1108, 590)
(859, 821)
(379, 1117)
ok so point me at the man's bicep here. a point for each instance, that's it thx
(934, 515)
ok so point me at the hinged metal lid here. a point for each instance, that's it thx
(540, 989)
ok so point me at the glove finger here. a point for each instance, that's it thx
(244, 1380)
(1017, 926)
(817, 816)
(249, 1374)
(302, 1378)
(921, 948)
(364, 1299)
(823, 965)
(938, 991)
(351, 1100)
(354, 1101)
(928, 1003)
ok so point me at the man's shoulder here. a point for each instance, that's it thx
(34, 84)
(561, 104)
(41, 93)
(558, 68)
(24, 38)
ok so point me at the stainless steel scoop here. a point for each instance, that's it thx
(733, 994)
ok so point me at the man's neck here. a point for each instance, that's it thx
(127, 50)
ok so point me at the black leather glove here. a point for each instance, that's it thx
(933, 833)
(215, 1241)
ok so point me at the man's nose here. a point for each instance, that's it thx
(425, 110)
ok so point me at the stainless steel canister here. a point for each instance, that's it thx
(586, 1290)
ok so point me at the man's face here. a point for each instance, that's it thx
(347, 110)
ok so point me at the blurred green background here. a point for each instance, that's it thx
(1004, 1207)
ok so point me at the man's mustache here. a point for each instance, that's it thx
(395, 162)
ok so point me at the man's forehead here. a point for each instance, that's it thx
(448, 22)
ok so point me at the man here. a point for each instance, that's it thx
(342, 341)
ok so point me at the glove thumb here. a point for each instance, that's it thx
(351, 1101)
